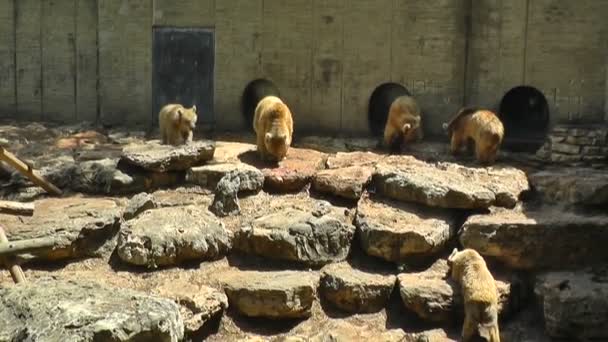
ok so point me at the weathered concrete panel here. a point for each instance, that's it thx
(287, 54)
(86, 60)
(496, 50)
(238, 32)
(326, 108)
(366, 58)
(29, 62)
(125, 61)
(184, 13)
(566, 57)
(428, 56)
(58, 60)
(7, 59)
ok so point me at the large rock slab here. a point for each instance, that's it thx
(251, 179)
(198, 304)
(79, 226)
(394, 231)
(277, 295)
(575, 304)
(169, 236)
(291, 174)
(448, 185)
(574, 186)
(153, 156)
(349, 182)
(347, 159)
(294, 234)
(354, 290)
(435, 297)
(107, 176)
(56, 310)
(546, 237)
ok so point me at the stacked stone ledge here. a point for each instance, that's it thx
(406, 209)
(576, 145)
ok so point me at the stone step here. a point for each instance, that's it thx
(536, 238)
(572, 186)
(172, 235)
(394, 231)
(354, 290)
(435, 297)
(575, 304)
(58, 310)
(275, 295)
(81, 227)
(448, 185)
(153, 156)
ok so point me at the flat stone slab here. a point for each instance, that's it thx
(277, 295)
(355, 291)
(108, 177)
(348, 182)
(293, 234)
(169, 236)
(153, 156)
(291, 174)
(198, 304)
(208, 176)
(448, 185)
(435, 298)
(574, 186)
(341, 160)
(79, 226)
(56, 310)
(575, 304)
(393, 230)
(549, 237)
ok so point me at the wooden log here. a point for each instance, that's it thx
(25, 246)
(16, 208)
(14, 268)
(28, 171)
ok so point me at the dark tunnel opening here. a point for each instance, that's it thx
(524, 112)
(255, 91)
(380, 102)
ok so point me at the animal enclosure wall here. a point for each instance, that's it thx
(74, 60)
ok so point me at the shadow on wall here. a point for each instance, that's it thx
(255, 91)
(379, 104)
(524, 111)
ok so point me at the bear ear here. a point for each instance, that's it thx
(268, 136)
(445, 126)
(406, 127)
(451, 257)
(179, 114)
(194, 108)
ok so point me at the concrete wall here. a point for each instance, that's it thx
(74, 60)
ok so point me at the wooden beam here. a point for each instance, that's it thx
(25, 246)
(28, 171)
(14, 268)
(16, 208)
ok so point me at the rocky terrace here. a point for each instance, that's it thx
(339, 242)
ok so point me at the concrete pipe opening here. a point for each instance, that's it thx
(255, 91)
(380, 102)
(524, 112)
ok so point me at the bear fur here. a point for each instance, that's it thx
(404, 124)
(177, 124)
(273, 126)
(481, 126)
(469, 269)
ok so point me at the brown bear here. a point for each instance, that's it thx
(481, 126)
(469, 269)
(403, 125)
(273, 125)
(177, 124)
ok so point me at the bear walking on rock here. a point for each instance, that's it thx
(177, 124)
(481, 126)
(469, 269)
(273, 125)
